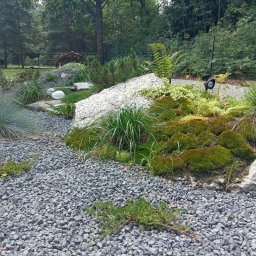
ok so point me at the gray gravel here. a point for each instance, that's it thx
(41, 210)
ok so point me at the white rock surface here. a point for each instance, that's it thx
(82, 86)
(57, 95)
(249, 182)
(114, 98)
(49, 91)
(44, 105)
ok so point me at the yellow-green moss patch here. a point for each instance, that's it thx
(236, 143)
(203, 160)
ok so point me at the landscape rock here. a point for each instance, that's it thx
(114, 98)
(249, 182)
(49, 91)
(44, 105)
(82, 86)
(57, 95)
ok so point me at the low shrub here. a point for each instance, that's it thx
(140, 212)
(115, 71)
(13, 122)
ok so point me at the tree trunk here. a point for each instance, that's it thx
(142, 7)
(99, 31)
(5, 55)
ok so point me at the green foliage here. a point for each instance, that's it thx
(13, 168)
(236, 143)
(81, 74)
(175, 91)
(163, 64)
(126, 129)
(30, 92)
(115, 71)
(140, 212)
(25, 75)
(13, 122)
(3, 80)
(251, 97)
(51, 78)
(67, 110)
(197, 103)
(84, 139)
(74, 97)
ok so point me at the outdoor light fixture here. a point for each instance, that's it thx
(209, 80)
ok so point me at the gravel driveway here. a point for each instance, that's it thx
(41, 211)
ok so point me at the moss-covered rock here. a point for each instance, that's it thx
(183, 141)
(236, 143)
(163, 165)
(166, 108)
(123, 156)
(207, 159)
(220, 124)
(83, 139)
(106, 151)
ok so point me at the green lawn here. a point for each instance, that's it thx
(11, 72)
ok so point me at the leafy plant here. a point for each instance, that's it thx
(67, 110)
(163, 64)
(221, 78)
(126, 129)
(140, 212)
(51, 78)
(30, 92)
(13, 168)
(13, 122)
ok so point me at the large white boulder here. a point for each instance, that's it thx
(113, 99)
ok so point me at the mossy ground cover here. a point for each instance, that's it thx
(191, 132)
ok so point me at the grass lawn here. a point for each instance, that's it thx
(11, 72)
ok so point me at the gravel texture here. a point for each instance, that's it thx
(42, 213)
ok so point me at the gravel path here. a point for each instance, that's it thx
(41, 210)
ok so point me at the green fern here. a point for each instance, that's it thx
(163, 64)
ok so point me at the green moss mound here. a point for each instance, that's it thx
(200, 160)
(83, 139)
(235, 142)
(208, 159)
(162, 165)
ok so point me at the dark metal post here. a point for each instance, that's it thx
(213, 51)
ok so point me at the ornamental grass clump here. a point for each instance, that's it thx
(13, 122)
(126, 129)
(140, 212)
